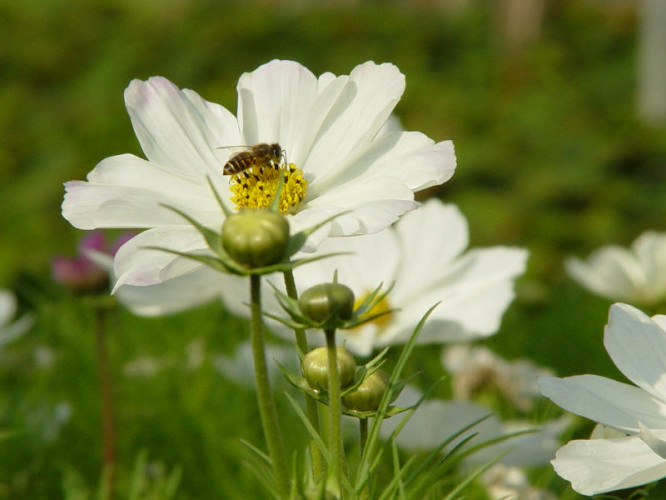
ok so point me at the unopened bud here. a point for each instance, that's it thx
(320, 302)
(315, 367)
(368, 395)
(256, 237)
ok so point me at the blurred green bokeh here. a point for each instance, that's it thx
(550, 157)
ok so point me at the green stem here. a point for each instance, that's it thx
(290, 285)
(363, 438)
(310, 403)
(363, 432)
(267, 409)
(106, 393)
(335, 411)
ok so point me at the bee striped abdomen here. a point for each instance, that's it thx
(260, 155)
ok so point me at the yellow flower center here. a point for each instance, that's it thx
(256, 187)
(382, 306)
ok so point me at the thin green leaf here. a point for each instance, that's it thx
(227, 211)
(262, 476)
(480, 470)
(373, 434)
(212, 238)
(137, 483)
(206, 260)
(256, 451)
(275, 202)
(314, 435)
(297, 241)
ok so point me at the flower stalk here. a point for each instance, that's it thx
(264, 395)
(310, 404)
(336, 467)
(107, 410)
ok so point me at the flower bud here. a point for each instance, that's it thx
(256, 237)
(368, 395)
(320, 302)
(315, 367)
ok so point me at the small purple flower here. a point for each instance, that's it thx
(83, 273)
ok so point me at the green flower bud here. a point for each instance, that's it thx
(315, 367)
(256, 237)
(320, 302)
(368, 395)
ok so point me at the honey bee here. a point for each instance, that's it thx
(259, 155)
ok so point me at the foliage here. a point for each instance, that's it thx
(550, 157)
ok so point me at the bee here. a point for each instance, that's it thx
(259, 155)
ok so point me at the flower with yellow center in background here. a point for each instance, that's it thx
(341, 154)
(424, 258)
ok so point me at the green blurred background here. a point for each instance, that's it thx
(551, 156)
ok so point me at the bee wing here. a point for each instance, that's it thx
(234, 150)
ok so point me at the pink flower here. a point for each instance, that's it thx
(83, 272)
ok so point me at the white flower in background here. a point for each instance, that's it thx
(424, 256)
(10, 331)
(435, 420)
(333, 130)
(475, 369)
(47, 420)
(505, 482)
(637, 345)
(239, 366)
(636, 275)
(145, 367)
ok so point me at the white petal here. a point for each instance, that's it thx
(236, 298)
(178, 129)
(239, 366)
(415, 159)
(660, 319)
(7, 306)
(606, 401)
(473, 295)
(374, 204)
(530, 449)
(650, 249)
(655, 440)
(361, 341)
(371, 259)
(431, 238)
(637, 346)
(354, 119)
(11, 330)
(611, 272)
(273, 101)
(137, 264)
(601, 465)
(435, 421)
(127, 192)
(172, 296)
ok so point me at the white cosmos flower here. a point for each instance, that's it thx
(436, 420)
(239, 365)
(424, 257)
(637, 345)
(505, 482)
(334, 132)
(476, 369)
(636, 275)
(11, 330)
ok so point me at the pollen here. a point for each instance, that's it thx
(256, 187)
